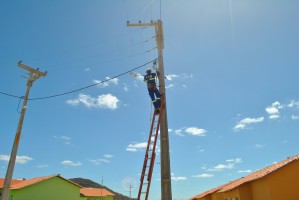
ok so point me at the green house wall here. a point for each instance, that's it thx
(53, 188)
(100, 198)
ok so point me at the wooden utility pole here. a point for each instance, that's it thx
(166, 193)
(34, 75)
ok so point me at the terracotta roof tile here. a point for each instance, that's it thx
(251, 177)
(205, 193)
(18, 184)
(13, 181)
(258, 174)
(95, 192)
(29, 182)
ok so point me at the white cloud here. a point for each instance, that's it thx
(105, 101)
(171, 77)
(293, 104)
(179, 132)
(73, 102)
(251, 120)
(169, 86)
(136, 146)
(179, 178)
(273, 110)
(236, 160)
(259, 146)
(19, 159)
(274, 116)
(295, 117)
(203, 176)
(239, 126)
(245, 171)
(139, 77)
(64, 139)
(99, 161)
(87, 69)
(244, 122)
(126, 89)
(107, 82)
(221, 167)
(42, 166)
(196, 131)
(108, 156)
(71, 163)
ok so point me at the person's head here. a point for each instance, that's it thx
(148, 71)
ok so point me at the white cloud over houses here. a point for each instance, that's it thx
(107, 82)
(221, 167)
(71, 163)
(247, 121)
(100, 161)
(203, 176)
(105, 101)
(136, 147)
(230, 165)
(19, 159)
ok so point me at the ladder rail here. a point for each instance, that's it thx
(151, 147)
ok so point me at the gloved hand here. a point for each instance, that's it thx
(155, 67)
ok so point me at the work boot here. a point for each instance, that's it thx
(157, 111)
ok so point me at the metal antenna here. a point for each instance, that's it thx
(34, 75)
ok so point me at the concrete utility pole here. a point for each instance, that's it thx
(34, 75)
(166, 193)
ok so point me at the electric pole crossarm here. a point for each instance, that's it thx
(158, 30)
(31, 70)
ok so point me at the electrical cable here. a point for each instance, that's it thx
(10, 95)
(82, 88)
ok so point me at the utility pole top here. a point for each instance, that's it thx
(34, 73)
(158, 28)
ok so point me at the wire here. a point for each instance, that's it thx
(89, 86)
(10, 95)
(22, 97)
(83, 88)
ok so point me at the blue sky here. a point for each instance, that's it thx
(232, 88)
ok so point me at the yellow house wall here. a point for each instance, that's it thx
(284, 183)
(260, 190)
(245, 192)
(229, 195)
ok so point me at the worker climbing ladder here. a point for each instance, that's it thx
(150, 155)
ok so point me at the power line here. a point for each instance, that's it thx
(10, 95)
(82, 88)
